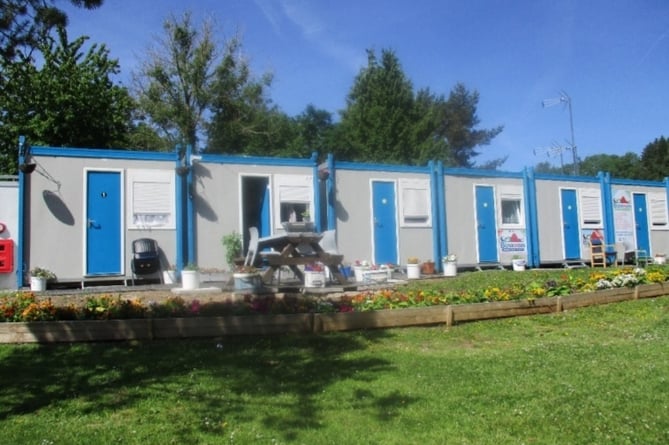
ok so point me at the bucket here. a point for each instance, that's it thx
(314, 278)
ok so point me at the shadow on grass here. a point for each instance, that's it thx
(275, 380)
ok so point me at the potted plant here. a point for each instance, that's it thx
(306, 216)
(413, 268)
(39, 277)
(190, 277)
(660, 258)
(518, 263)
(427, 267)
(246, 278)
(233, 248)
(450, 264)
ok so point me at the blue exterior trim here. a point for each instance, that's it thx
(190, 208)
(566, 178)
(179, 201)
(315, 181)
(20, 241)
(330, 191)
(531, 219)
(392, 168)
(480, 173)
(434, 196)
(256, 160)
(441, 201)
(99, 153)
(637, 182)
(607, 204)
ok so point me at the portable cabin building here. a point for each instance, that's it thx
(9, 229)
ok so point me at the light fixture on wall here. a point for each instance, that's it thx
(26, 166)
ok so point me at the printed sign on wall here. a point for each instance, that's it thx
(623, 218)
(511, 240)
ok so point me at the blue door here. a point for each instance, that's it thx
(485, 224)
(384, 215)
(641, 222)
(570, 231)
(103, 223)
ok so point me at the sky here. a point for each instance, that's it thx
(609, 59)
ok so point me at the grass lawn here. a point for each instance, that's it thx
(593, 376)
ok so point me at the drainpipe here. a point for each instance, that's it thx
(531, 220)
(434, 195)
(20, 242)
(316, 187)
(190, 226)
(179, 199)
(441, 202)
(607, 201)
(330, 193)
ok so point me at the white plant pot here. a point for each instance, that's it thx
(190, 279)
(359, 273)
(247, 281)
(413, 271)
(450, 268)
(314, 278)
(518, 265)
(660, 259)
(169, 276)
(37, 284)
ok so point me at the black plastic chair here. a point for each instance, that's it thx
(145, 258)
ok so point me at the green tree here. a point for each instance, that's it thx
(377, 122)
(626, 166)
(384, 120)
(193, 93)
(655, 160)
(69, 100)
(25, 24)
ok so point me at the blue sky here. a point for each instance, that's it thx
(611, 57)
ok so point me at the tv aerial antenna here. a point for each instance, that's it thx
(554, 150)
(564, 98)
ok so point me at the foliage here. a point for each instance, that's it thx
(655, 160)
(475, 287)
(42, 273)
(385, 121)
(232, 242)
(186, 79)
(68, 100)
(27, 23)
(507, 381)
(191, 266)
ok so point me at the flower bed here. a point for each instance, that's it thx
(175, 317)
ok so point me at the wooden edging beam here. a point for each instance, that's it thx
(168, 328)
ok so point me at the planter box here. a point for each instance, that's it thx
(376, 276)
(346, 321)
(75, 331)
(232, 325)
(502, 309)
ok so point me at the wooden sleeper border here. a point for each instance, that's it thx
(170, 328)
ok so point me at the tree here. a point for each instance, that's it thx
(384, 120)
(379, 114)
(174, 86)
(193, 94)
(69, 101)
(25, 24)
(626, 166)
(655, 160)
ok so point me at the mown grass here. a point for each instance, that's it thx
(593, 376)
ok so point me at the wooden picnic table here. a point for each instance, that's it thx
(295, 249)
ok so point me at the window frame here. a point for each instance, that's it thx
(163, 184)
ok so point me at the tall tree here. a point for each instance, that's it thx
(384, 120)
(379, 112)
(196, 94)
(24, 24)
(655, 160)
(626, 166)
(69, 100)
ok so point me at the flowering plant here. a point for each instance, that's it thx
(450, 258)
(314, 267)
(361, 263)
(42, 273)
(413, 260)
